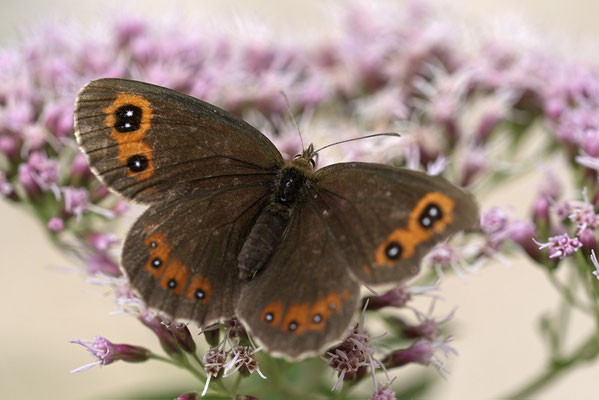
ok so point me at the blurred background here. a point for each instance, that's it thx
(44, 305)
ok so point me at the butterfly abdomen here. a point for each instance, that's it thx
(263, 239)
(269, 229)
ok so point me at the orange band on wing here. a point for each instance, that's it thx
(199, 289)
(272, 313)
(131, 143)
(175, 276)
(160, 253)
(296, 318)
(402, 242)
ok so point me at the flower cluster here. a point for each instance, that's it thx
(465, 108)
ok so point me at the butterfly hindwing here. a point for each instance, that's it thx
(386, 219)
(304, 299)
(181, 256)
(150, 143)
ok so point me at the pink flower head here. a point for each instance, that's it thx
(6, 188)
(383, 393)
(396, 297)
(424, 352)
(56, 224)
(560, 246)
(214, 363)
(102, 241)
(58, 117)
(493, 221)
(351, 355)
(120, 207)
(474, 163)
(101, 263)
(106, 352)
(243, 359)
(38, 172)
(582, 214)
(182, 335)
(167, 340)
(9, 146)
(76, 200)
(79, 166)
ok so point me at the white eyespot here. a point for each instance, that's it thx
(433, 212)
(426, 221)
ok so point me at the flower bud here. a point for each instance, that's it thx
(189, 396)
(396, 297)
(420, 352)
(165, 336)
(107, 352)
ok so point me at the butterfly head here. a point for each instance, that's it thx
(307, 160)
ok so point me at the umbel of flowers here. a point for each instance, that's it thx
(465, 110)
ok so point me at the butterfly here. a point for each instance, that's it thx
(234, 230)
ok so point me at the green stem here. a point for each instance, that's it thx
(567, 293)
(587, 351)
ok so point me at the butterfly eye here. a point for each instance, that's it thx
(297, 156)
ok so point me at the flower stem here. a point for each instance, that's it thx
(587, 351)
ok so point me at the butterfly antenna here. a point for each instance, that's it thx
(293, 119)
(359, 138)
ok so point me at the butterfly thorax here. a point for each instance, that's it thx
(290, 188)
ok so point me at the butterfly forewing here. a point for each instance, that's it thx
(385, 219)
(148, 142)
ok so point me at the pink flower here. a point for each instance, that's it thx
(76, 200)
(383, 393)
(350, 356)
(5, 186)
(106, 352)
(493, 221)
(38, 172)
(582, 214)
(560, 246)
(396, 297)
(102, 241)
(101, 263)
(55, 224)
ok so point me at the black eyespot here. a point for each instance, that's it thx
(269, 317)
(137, 163)
(156, 263)
(317, 318)
(172, 283)
(393, 251)
(128, 118)
(153, 244)
(293, 326)
(200, 294)
(431, 214)
(332, 306)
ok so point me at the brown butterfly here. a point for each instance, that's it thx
(233, 230)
